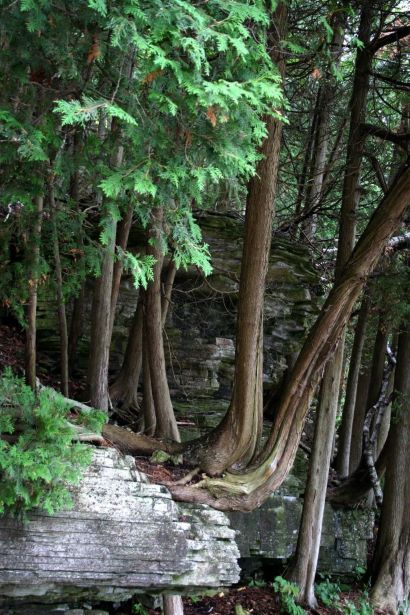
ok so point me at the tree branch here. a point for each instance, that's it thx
(378, 170)
(400, 242)
(400, 85)
(393, 37)
(385, 134)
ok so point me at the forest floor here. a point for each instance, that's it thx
(246, 600)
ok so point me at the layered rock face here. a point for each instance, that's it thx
(200, 329)
(122, 537)
(268, 536)
(125, 536)
(199, 344)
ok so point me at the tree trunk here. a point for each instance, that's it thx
(166, 423)
(76, 327)
(391, 565)
(62, 317)
(251, 488)
(378, 359)
(307, 550)
(355, 144)
(123, 232)
(77, 315)
(148, 406)
(31, 332)
(173, 605)
(101, 314)
(314, 189)
(125, 387)
(345, 434)
(356, 442)
(234, 440)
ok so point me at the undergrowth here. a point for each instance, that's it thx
(328, 593)
(38, 458)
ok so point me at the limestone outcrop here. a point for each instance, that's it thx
(123, 536)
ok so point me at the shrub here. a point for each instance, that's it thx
(38, 459)
(288, 593)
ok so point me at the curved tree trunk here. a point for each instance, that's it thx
(354, 490)
(391, 565)
(345, 435)
(234, 440)
(249, 490)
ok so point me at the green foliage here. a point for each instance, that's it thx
(38, 459)
(188, 85)
(288, 593)
(94, 420)
(74, 112)
(139, 609)
(257, 583)
(328, 593)
(187, 239)
(363, 607)
(141, 267)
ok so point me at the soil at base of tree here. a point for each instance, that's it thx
(253, 600)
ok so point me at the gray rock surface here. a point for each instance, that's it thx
(122, 537)
(200, 328)
(269, 534)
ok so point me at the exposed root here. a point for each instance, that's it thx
(132, 443)
(188, 477)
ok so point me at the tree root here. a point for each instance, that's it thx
(188, 477)
(132, 443)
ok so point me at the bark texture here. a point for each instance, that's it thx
(31, 332)
(173, 605)
(235, 438)
(251, 488)
(345, 434)
(62, 317)
(166, 423)
(307, 550)
(391, 566)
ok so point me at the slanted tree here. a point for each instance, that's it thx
(250, 488)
